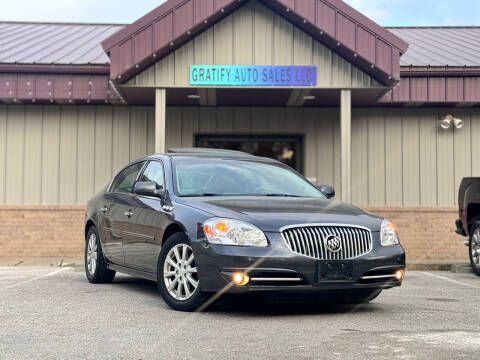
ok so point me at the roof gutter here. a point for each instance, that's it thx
(103, 69)
(437, 72)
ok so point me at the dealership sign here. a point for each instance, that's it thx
(253, 75)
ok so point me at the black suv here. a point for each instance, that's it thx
(203, 221)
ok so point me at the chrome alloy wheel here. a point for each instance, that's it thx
(92, 254)
(180, 272)
(475, 248)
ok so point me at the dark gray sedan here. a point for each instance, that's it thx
(201, 221)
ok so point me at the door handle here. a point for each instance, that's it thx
(104, 209)
(128, 213)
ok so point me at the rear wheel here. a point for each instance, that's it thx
(95, 266)
(177, 276)
(474, 247)
(359, 296)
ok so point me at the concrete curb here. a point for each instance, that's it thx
(434, 266)
(441, 266)
(462, 268)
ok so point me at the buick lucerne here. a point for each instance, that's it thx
(203, 221)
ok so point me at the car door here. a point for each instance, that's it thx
(142, 240)
(117, 202)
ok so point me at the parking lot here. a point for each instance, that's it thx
(49, 312)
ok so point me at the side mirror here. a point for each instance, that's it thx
(149, 188)
(327, 190)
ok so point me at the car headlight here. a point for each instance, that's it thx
(233, 232)
(388, 234)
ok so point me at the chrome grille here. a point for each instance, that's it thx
(310, 240)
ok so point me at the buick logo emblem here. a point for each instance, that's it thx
(333, 243)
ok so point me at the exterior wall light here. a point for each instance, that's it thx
(458, 123)
(448, 120)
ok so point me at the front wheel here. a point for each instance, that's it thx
(177, 276)
(474, 247)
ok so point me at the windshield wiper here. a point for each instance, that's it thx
(213, 194)
(202, 195)
(282, 195)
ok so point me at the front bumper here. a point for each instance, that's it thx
(216, 264)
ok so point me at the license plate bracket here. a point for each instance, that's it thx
(335, 270)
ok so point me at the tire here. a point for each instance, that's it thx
(177, 284)
(359, 296)
(95, 264)
(474, 247)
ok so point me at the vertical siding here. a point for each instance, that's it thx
(189, 125)
(3, 151)
(68, 179)
(428, 150)
(243, 35)
(462, 148)
(376, 157)
(50, 155)
(33, 156)
(64, 154)
(138, 132)
(120, 138)
(420, 165)
(88, 152)
(445, 166)
(360, 156)
(475, 134)
(103, 145)
(310, 119)
(15, 152)
(263, 46)
(410, 155)
(254, 35)
(150, 130)
(393, 153)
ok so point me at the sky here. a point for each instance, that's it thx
(384, 12)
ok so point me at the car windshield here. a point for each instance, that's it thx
(222, 177)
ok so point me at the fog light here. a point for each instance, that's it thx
(240, 279)
(399, 274)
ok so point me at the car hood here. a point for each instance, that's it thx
(273, 213)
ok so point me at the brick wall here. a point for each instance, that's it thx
(57, 231)
(427, 233)
(41, 231)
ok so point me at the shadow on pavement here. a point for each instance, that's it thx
(256, 304)
(276, 305)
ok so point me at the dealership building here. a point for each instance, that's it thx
(313, 83)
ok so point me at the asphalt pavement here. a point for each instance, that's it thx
(54, 313)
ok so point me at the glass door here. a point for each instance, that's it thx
(285, 148)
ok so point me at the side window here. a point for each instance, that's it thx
(153, 172)
(124, 181)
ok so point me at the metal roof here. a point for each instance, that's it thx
(440, 46)
(80, 44)
(54, 43)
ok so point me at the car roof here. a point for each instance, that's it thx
(203, 153)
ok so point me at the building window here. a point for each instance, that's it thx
(287, 149)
